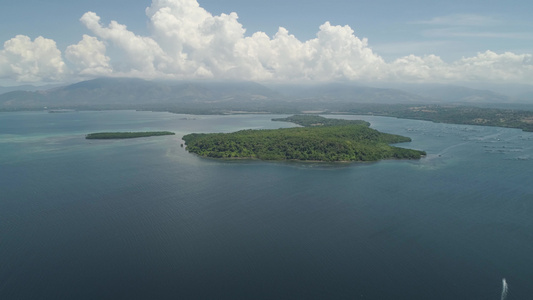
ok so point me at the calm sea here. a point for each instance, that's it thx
(144, 219)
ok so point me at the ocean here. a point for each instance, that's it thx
(145, 219)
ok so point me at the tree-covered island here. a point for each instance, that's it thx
(125, 135)
(321, 139)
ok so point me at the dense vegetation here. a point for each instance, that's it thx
(126, 135)
(471, 116)
(314, 120)
(454, 114)
(344, 142)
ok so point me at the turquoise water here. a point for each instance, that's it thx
(144, 219)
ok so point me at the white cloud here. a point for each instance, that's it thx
(31, 61)
(186, 41)
(143, 54)
(490, 66)
(484, 67)
(89, 57)
(342, 55)
(196, 41)
(415, 68)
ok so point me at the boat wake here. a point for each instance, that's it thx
(505, 289)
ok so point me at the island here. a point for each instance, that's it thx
(320, 139)
(125, 135)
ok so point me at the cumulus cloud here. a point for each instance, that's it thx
(25, 60)
(490, 66)
(415, 68)
(89, 57)
(186, 41)
(143, 54)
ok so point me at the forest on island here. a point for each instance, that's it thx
(125, 135)
(347, 141)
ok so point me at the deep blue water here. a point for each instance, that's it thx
(144, 219)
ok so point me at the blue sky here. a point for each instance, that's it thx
(406, 39)
(397, 28)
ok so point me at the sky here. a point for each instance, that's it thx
(57, 41)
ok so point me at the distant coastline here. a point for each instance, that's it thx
(436, 103)
(57, 111)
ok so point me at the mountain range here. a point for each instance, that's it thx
(113, 93)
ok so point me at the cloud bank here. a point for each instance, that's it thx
(186, 42)
(29, 61)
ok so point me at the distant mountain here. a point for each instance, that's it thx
(469, 93)
(220, 96)
(131, 93)
(345, 92)
(518, 92)
(526, 96)
(32, 88)
(127, 90)
(458, 94)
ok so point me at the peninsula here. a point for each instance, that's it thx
(320, 139)
(125, 135)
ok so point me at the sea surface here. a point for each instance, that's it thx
(144, 219)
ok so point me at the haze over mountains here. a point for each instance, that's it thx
(132, 93)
